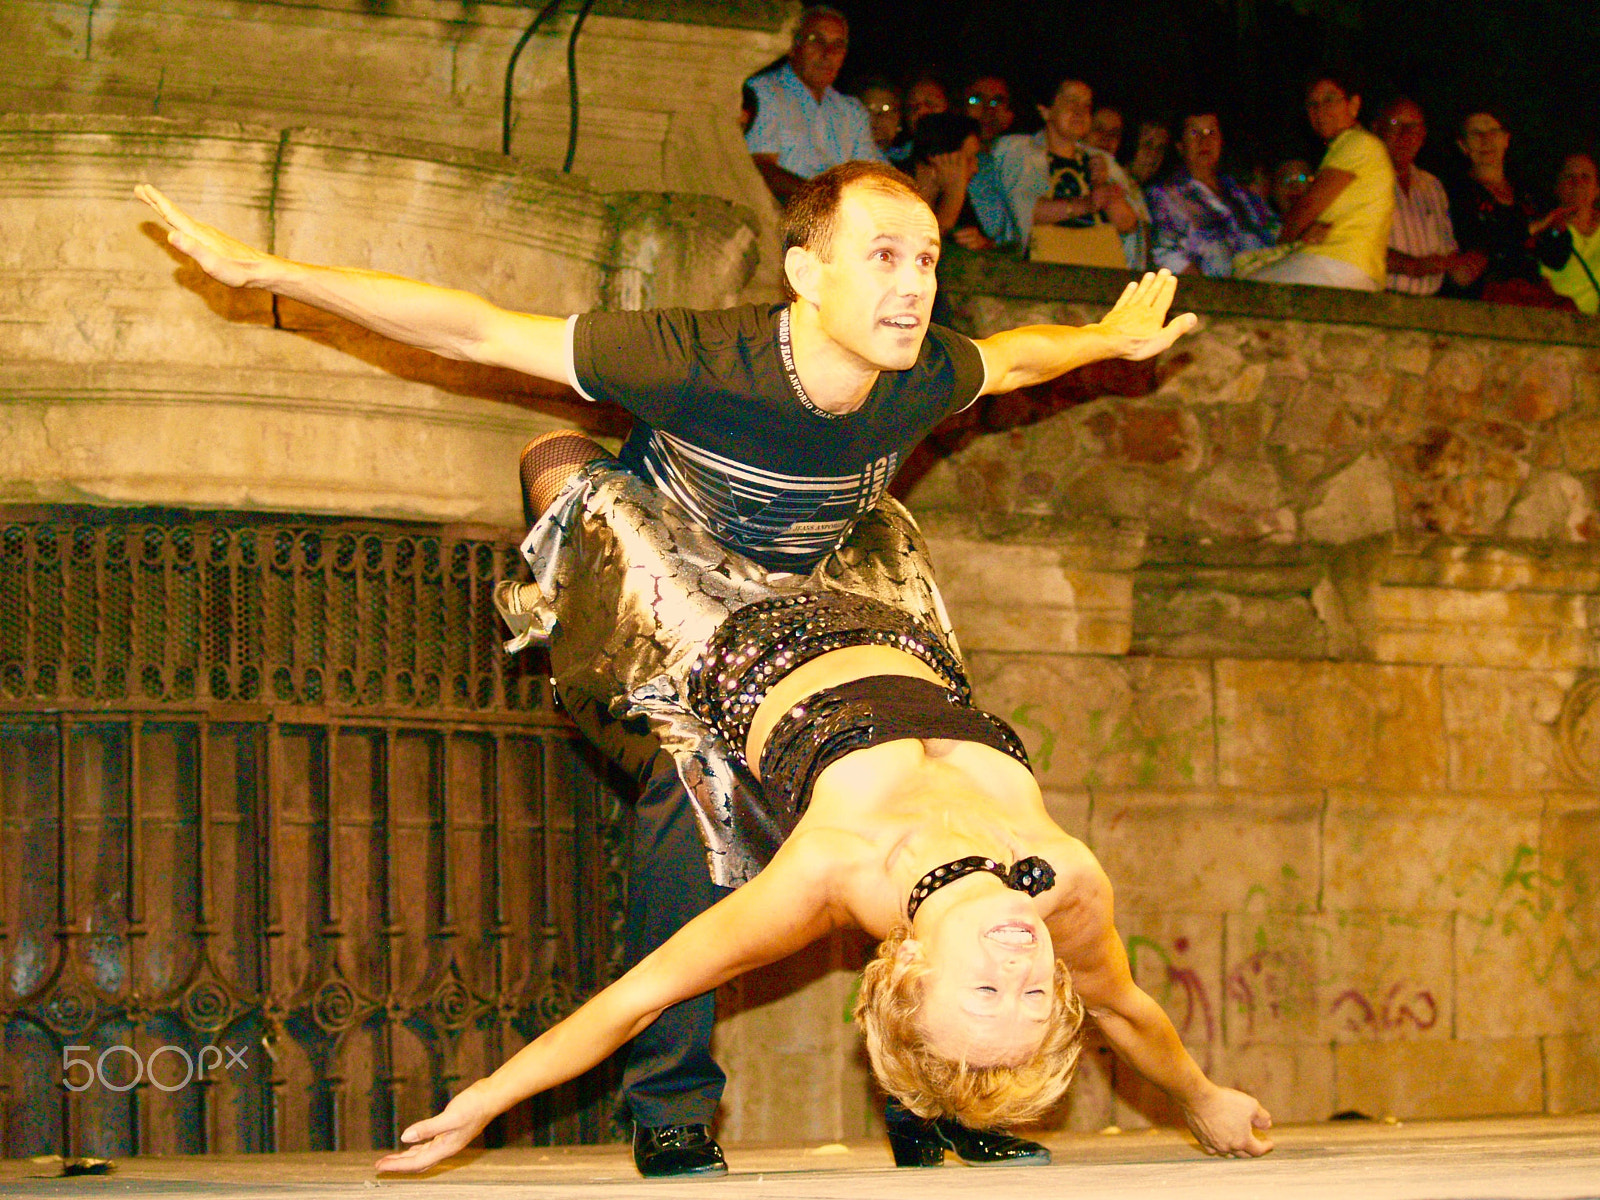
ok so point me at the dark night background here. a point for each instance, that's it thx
(1535, 61)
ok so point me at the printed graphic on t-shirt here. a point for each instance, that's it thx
(763, 513)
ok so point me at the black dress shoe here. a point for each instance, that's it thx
(919, 1142)
(675, 1150)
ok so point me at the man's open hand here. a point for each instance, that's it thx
(1137, 325)
(225, 259)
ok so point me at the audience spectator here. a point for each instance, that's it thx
(1342, 220)
(1055, 177)
(881, 99)
(925, 95)
(1290, 179)
(1495, 222)
(1570, 250)
(1150, 149)
(988, 101)
(1105, 129)
(1201, 218)
(802, 125)
(944, 158)
(1422, 246)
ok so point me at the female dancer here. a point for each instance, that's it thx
(885, 801)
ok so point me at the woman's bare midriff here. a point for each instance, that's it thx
(826, 671)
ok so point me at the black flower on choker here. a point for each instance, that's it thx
(1032, 875)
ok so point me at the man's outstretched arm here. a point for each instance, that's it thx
(451, 323)
(1136, 327)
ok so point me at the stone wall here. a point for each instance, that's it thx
(1303, 642)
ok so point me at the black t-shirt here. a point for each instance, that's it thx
(723, 427)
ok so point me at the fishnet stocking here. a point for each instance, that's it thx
(547, 463)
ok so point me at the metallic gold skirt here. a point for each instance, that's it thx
(628, 591)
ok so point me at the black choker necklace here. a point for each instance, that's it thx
(1032, 875)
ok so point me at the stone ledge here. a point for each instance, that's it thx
(969, 273)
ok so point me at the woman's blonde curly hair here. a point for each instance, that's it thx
(931, 1085)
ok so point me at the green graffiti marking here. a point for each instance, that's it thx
(1527, 899)
(1023, 715)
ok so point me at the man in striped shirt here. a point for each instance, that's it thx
(1422, 246)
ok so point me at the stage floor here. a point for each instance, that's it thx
(1506, 1159)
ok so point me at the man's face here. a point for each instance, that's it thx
(818, 52)
(874, 292)
(1403, 131)
(1067, 117)
(924, 97)
(989, 104)
(1200, 144)
(1576, 185)
(1105, 130)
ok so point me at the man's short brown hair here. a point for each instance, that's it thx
(812, 213)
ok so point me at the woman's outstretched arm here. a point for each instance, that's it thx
(783, 909)
(1225, 1121)
(447, 322)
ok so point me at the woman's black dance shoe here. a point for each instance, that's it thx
(919, 1142)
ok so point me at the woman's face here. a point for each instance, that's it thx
(1329, 110)
(987, 996)
(1576, 185)
(1289, 183)
(1484, 140)
(883, 110)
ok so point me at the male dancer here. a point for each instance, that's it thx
(775, 427)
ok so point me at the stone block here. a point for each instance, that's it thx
(1409, 352)
(1455, 626)
(1580, 439)
(1270, 978)
(1455, 383)
(1294, 1083)
(1542, 387)
(1572, 1073)
(1208, 367)
(1416, 852)
(1502, 727)
(1092, 723)
(1176, 958)
(1212, 851)
(1347, 349)
(1144, 435)
(1070, 810)
(796, 1071)
(1024, 597)
(1241, 499)
(1337, 977)
(1288, 725)
(1527, 963)
(1190, 621)
(1358, 502)
(1439, 1079)
(1553, 506)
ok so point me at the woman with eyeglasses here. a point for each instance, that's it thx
(1339, 226)
(1496, 222)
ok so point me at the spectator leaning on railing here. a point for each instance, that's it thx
(1201, 218)
(1341, 222)
(1422, 245)
(1569, 253)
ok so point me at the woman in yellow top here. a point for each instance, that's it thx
(1341, 222)
(1572, 263)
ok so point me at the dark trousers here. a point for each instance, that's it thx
(670, 1077)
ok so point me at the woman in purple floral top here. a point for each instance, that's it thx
(1203, 218)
